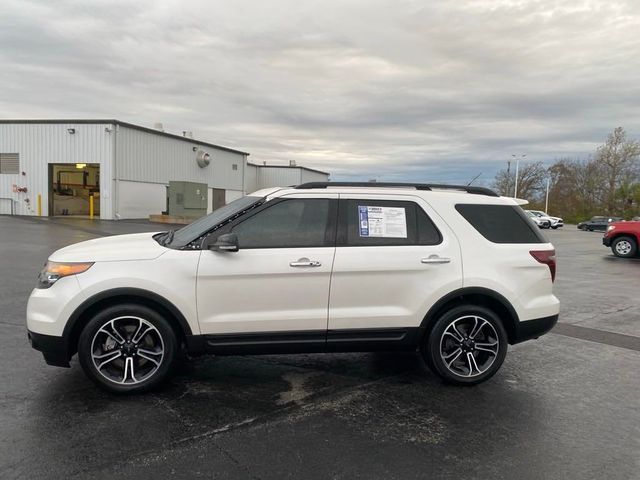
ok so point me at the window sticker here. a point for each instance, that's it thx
(385, 222)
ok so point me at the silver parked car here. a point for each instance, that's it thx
(554, 222)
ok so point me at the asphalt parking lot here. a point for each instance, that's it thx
(566, 405)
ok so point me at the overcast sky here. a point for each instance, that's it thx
(394, 90)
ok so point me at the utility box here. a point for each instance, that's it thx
(188, 199)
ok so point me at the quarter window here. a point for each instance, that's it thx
(288, 224)
(501, 223)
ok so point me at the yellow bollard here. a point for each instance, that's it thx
(91, 207)
(39, 205)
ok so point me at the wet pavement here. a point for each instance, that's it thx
(567, 405)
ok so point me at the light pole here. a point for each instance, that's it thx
(517, 159)
(546, 200)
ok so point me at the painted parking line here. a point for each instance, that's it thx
(621, 340)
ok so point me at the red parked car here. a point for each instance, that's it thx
(623, 238)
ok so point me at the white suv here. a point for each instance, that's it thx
(456, 273)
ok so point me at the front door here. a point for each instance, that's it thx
(394, 260)
(276, 286)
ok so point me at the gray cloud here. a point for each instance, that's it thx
(400, 90)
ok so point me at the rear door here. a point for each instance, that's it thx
(395, 257)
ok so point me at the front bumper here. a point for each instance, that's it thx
(530, 329)
(54, 349)
(606, 241)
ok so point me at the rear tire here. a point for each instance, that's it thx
(466, 346)
(127, 349)
(624, 247)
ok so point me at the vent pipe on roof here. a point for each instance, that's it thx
(158, 126)
(292, 163)
(187, 134)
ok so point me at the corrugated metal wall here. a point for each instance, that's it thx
(41, 144)
(312, 176)
(251, 178)
(266, 176)
(155, 159)
(277, 177)
(146, 157)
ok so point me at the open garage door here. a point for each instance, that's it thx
(71, 186)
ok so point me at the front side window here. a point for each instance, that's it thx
(369, 222)
(288, 224)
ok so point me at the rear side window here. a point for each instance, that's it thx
(501, 223)
(384, 222)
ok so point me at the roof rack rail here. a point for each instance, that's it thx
(417, 186)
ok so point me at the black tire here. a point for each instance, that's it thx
(156, 339)
(555, 228)
(441, 342)
(624, 247)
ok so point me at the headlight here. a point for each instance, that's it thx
(54, 271)
(610, 227)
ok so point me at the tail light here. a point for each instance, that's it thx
(548, 257)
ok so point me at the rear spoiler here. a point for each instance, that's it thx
(519, 201)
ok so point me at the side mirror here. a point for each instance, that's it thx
(226, 243)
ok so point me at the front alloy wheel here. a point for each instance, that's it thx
(127, 349)
(467, 345)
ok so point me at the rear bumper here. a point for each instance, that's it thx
(530, 329)
(54, 349)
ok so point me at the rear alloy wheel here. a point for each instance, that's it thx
(467, 345)
(624, 247)
(127, 348)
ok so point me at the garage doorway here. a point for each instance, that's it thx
(71, 185)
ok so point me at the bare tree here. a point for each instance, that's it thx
(531, 181)
(618, 158)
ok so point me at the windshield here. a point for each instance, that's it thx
(202, 225)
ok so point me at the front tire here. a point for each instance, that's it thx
(127, 348)
(466, 346)
(624, 247)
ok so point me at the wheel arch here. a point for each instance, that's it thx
(93, 304)
(476, 296)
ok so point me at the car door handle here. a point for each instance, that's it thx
(305, 262)
(435, 259)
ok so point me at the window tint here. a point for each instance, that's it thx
(501, 223)
(289, 223)
(385, 223)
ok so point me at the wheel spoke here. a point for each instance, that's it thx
(147, 357)
(492, 352)
(476, 331)
(137, 338)
(471, 360)
(128, 368)
(455, 336)
(458, 352)
(473, 332)
(455, 329)
(115, 339)
(115, 354)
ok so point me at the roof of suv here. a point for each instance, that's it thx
(416, 186)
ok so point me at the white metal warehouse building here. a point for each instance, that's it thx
(52, 167)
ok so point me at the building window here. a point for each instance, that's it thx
(10, 163)
(234, 166)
